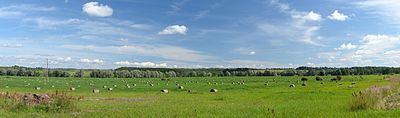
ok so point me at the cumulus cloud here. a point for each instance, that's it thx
(372, 50)
(336, 15)
(140, 64)
(93, 61)
(96, 9)
(174, 29)
(312, 16)
(347, 46)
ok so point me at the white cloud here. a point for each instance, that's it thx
(252, 53)
(46, 23)
(174, 29)
(347, 46)
(372, 50)
(384, 9)
(93, 61)
(64, 59)
(312, 16)
(140, 64)
(9, 45)
(96, 9)
(245, 51)
(20, 10)
(123, 39)
(250, 64)
(161, 51)
(336, 15)
(303, 26)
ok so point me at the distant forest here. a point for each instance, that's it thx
(135, 72)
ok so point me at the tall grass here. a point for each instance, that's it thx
(374, 97)
(56, 102)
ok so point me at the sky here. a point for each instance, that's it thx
(106, 34)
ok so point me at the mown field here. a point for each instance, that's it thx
(254, 98)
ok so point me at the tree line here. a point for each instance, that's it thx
(131, 72)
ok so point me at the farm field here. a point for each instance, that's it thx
(254, 98)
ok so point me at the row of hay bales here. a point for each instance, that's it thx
(189, 91)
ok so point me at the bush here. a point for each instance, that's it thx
(304, 79)
(338, 78)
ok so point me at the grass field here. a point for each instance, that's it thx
(251, 99)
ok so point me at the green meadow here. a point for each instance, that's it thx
(236, 96)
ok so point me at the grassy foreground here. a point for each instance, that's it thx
(254, 98)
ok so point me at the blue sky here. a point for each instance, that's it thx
(199, 33)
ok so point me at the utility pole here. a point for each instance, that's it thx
(47, 67)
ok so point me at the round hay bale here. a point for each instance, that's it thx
(164, 91)
(115, 85)
(266, 84)
(304, 84)
(104, 86)
(190, 91)
(110, 89)
(352, 83)
(134, 84)
(151, 84)
(181, 87)
(213, 90)
(292, 85)
(52, 86)
(96, 91)
(322, 83)
(72, 89)
(37, 88)
(177, 84)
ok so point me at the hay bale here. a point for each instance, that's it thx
(96, 91)
(110, 89)
(151, 84)
(322, 83)
(213, 90)
(352, 83)
(181, 87)
(164, 91)
(134, 84)
(37, 88)
(72, 89)
(304, 84)
(115, 86)
(292, 85)
(104, 86)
